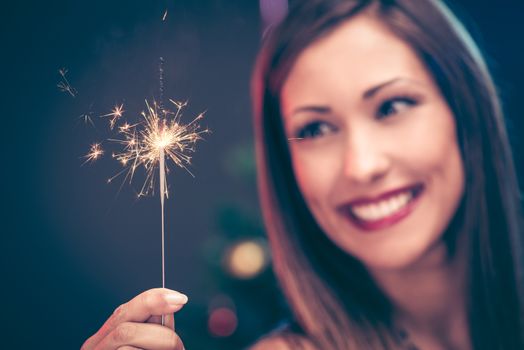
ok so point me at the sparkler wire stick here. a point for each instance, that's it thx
(161, 169)
(163, 193)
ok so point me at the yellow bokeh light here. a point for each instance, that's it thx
(246, 259)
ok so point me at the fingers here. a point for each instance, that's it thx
(142, 336)
(155, 319)
(154, 302)
(169, 320)
(128, 347)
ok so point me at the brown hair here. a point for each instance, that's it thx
(330, 293)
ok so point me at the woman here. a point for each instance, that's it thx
(387, 181)
(387, 186)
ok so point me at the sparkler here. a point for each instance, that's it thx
(158, 138)
(155, 141)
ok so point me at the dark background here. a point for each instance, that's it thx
(74, 247)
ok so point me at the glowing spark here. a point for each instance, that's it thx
(64, 84)
(165, 16)
(126, 127)
(95, 152)
(153, 141)
(116, 113)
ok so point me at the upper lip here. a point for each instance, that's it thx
(382, 196)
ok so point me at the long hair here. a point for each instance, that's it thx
(330, 293)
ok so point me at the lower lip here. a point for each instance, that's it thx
(387, 221)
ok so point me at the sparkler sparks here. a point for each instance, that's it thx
(116, 113)
(64, 84)
(156, 139)
(95, 152)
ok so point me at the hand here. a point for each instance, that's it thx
(136, 324)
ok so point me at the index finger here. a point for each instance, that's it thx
(153, 302)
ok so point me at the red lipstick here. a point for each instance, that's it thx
(372, 225)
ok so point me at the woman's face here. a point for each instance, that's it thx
(373, 145)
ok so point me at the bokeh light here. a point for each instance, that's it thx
(222, 320)
(247, 259)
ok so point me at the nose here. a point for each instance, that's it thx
(366, 160)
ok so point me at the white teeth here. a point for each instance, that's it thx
(382, 209)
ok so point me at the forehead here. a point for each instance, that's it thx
(358, 54)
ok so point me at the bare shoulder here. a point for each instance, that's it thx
(282, 342)
(271, 343)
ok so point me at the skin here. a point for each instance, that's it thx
(365, 117)
(137, 324)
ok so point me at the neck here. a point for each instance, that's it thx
(429, 299)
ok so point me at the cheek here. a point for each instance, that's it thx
(430, 143)
(315, 173)
(433, 152)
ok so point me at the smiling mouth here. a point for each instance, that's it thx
(383, 211)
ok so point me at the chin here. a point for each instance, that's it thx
(402, 255)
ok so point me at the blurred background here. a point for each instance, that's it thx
(75, 247)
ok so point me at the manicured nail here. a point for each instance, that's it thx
(176, 298)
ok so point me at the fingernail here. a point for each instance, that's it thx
(176, 298)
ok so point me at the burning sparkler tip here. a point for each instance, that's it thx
(160, 137)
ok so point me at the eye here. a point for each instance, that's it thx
(313, 130)
(394, 106)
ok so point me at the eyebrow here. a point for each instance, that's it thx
(312, 109)
(366, 95)
(372, 91)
